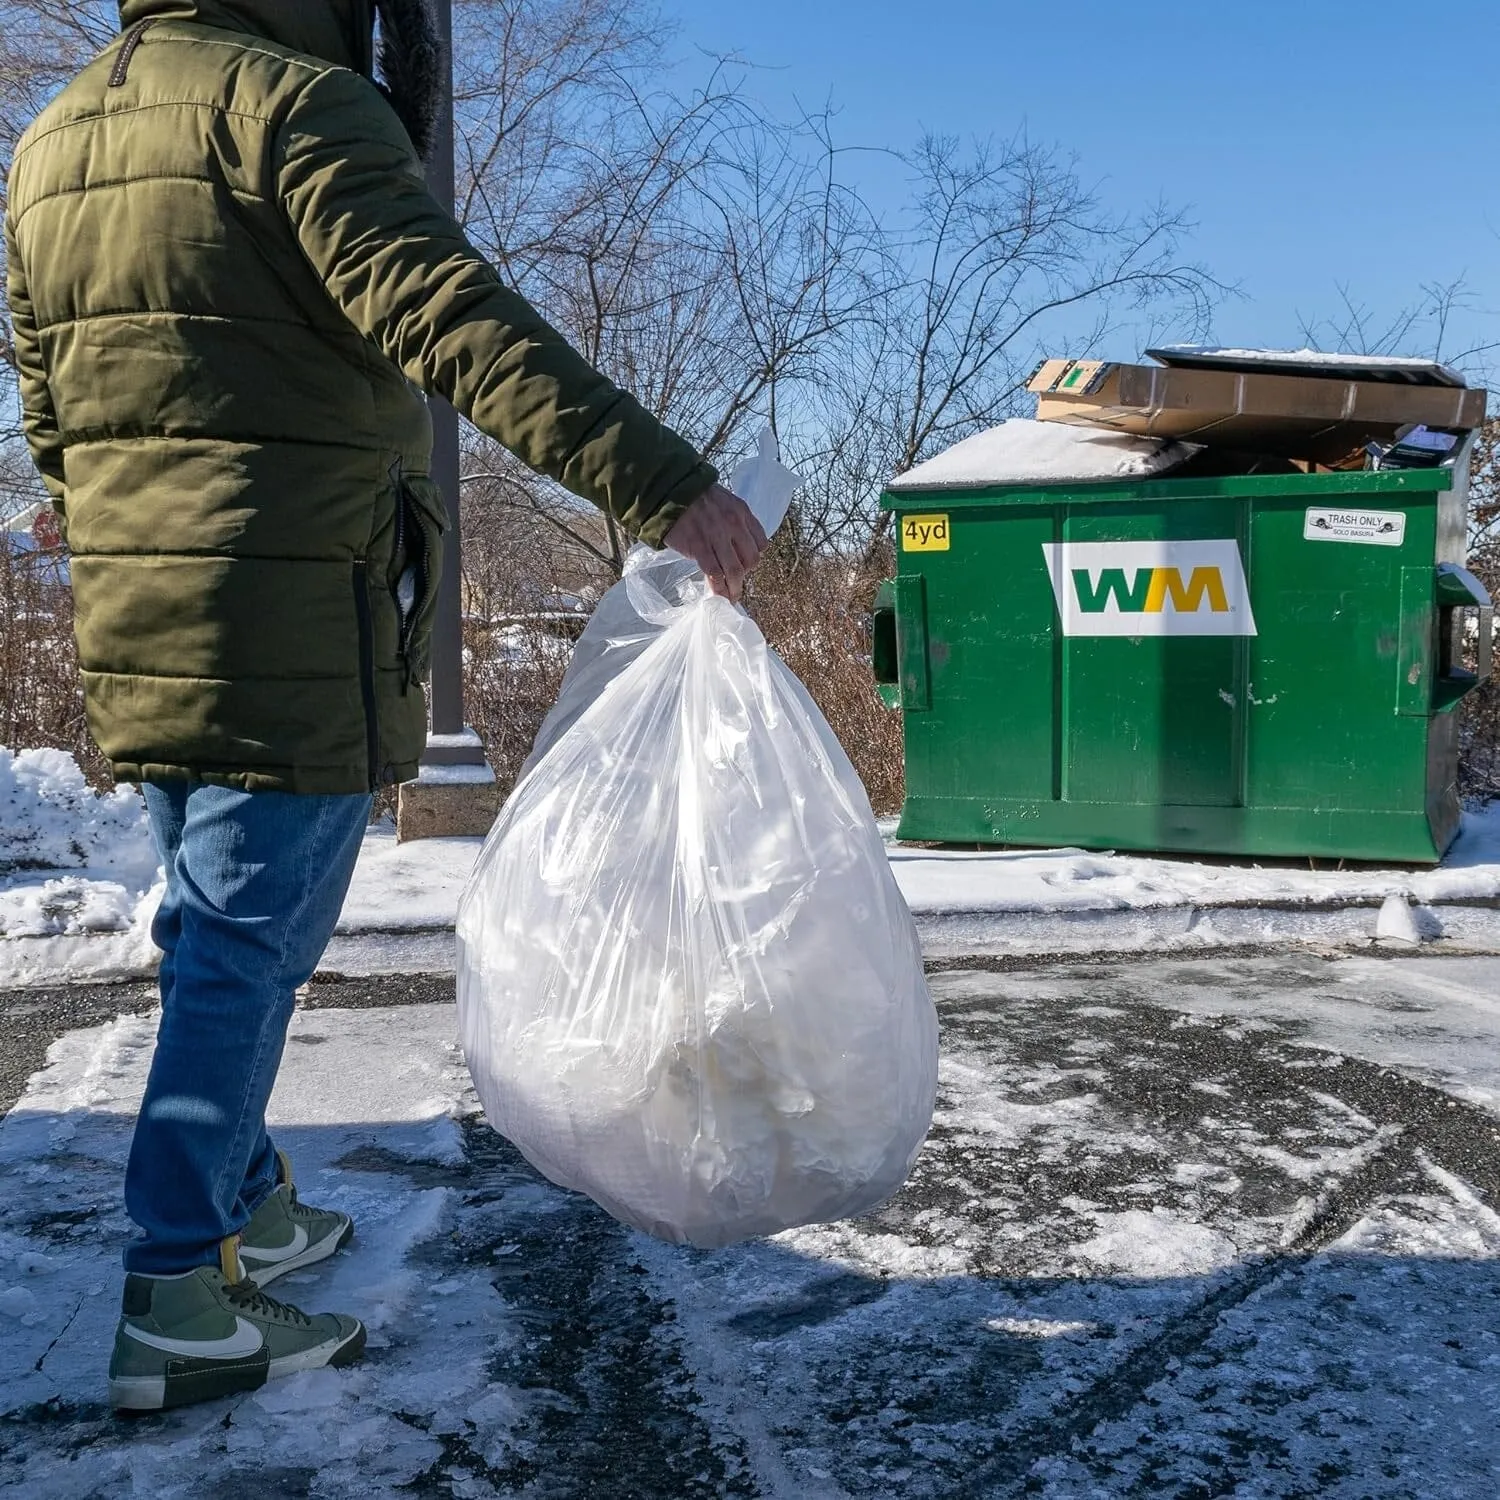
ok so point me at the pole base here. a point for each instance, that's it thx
(447, 802)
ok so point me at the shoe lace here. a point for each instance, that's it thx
(246, 1296)
(298, 1210)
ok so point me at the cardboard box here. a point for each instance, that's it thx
(1322, 416)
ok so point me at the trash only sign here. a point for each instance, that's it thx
(1150, 588)
(1370, 528)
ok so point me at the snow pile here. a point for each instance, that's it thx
(72, 862)
(51, 820)
(1077, 880)
(1024, 452)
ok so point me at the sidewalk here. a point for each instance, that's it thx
(400, 912)
(399, 918)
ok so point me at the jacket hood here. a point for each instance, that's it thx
(338, 31)
(341, 32)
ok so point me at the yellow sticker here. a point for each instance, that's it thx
(925, 534)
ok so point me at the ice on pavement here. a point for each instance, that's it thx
(368, 1102)
(1117, 1149)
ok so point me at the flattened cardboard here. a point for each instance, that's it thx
(1315, 418)
(1310, 362)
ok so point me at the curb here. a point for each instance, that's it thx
(1458, 927)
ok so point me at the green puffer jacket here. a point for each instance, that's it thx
(228, 283)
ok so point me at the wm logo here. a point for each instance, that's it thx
(1150, 588)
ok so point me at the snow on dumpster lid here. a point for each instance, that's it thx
(1023, 452)
(1310, 362)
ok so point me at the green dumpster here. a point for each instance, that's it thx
(1251, 665)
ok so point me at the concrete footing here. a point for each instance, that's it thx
(447, 802)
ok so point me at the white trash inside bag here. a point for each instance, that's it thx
(688, 984)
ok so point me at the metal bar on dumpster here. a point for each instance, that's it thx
(911, 643)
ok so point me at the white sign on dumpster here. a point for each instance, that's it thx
(1140, 589)
(1370, 528)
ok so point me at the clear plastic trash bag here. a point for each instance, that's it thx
(688, 984)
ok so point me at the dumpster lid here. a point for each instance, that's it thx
(1313, 363)
(1023, 452)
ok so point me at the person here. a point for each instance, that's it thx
(230, 289)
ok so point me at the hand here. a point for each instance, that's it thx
(719, 532)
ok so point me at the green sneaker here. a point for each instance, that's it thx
(286, 1235)
(212, 1333)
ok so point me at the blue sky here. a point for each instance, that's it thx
(1315, 144)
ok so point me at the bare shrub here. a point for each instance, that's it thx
(41, 693)
(1479, 734)
(816, 612)
(528, 588)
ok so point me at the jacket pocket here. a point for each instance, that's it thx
(421, 521)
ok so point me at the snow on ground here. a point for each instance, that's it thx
(78, 874)
(86, 913)
(399, 887)
(71, 862)
(1162, 1242)
(417, 885)
(379, 1093)
(1074, 880)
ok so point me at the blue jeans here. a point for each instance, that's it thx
(255, 884)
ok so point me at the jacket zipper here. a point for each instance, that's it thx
(418, 567)
(367, 668)
(121, 70)
(399, 490)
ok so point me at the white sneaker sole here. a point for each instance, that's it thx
(328, 1246)
(315, 1358)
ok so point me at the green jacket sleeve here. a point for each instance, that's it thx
(38, 418)
(403, 272)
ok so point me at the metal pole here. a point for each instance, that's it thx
(449, 743)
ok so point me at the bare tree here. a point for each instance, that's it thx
(700, 253)
(1004, 247)
(1425, 327)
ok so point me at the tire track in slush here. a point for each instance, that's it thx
(1419, 1128)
